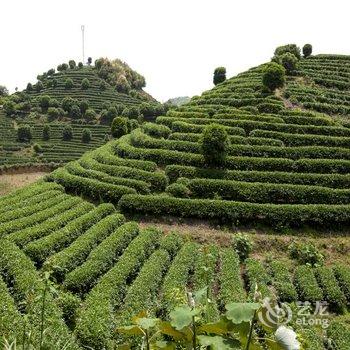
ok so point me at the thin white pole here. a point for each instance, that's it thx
(83, 41)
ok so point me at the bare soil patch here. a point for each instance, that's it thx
(11, 182)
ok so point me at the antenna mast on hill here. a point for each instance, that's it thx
(83, 41)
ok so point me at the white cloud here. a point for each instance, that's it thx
(175, 44)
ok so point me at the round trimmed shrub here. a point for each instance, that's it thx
(274, 76)
(44, 102)
(80, 65)
(85, 84)
(29, 87)
(72, 64)
(39, 86)
(119, 127)
(292, 48)
(68, 84)
(307, 50)
(75, 112)
(67, 133)
(86, 136)
(214, 144)
(53, 113)
(84, 105)
(46, 132)
(90, 115)
(24, 133)
(219, 75)
(289, 62)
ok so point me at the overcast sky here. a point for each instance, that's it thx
(175, 44)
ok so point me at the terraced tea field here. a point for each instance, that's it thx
(105, 269)
(54, 151)
(73, 261)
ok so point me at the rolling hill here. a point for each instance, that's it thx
(80, 234)
(59, 98)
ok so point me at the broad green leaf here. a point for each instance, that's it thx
(219, 328)
(218, 343)
(241, 312)
(182, 316)
(147, 323)
(201, 295)
(167, 329)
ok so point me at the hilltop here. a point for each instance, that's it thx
(82, 98)
(239, 196)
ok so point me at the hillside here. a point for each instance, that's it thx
(59, 99)
(285, 166)
(130, 228)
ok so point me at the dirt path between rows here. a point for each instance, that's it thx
(11, 182)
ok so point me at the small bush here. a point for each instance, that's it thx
(86, 136)
(307, 50)
(90, 115)
(274, 76)
(84, 106)
(9, 107)
(75, 112)
(119, 127)
(53, 113)
(242, 245)
(46, 132)
(72, 64)
(44, 102)
(39, 86)
(68, 84)
(306, 254)
(85, 84)
(178, 190)
(289, 62)
(24, 133)
(37, 148)
(219, 75)
(214, 144)
(291, 48)
(67, 133)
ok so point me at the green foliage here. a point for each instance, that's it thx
(84, 106)
(24, 133)
(90, 115)
(306, 254)
(214, 144)
(67, 133)
(46, 132)
(243, 245)
(75, 112)
(37, 148)
(178, 190)
(3, 91)
(307, 50)
(306, 284)
(85, 84)
(289, 62)
(156, 130)
(282, 281)
(290, 48)
(44, 102)
(219, 75)
(119, 127)
(72, 64)
(9, 107)
(86, 136)
(68, 84)
(273, 76)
